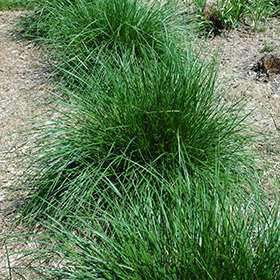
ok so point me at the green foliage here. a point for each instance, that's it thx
(15, 5)
(146, 170)
(275, 4)
(166, 231)
(142, 111)
(268, 47)
(227, 14)
(84, 25)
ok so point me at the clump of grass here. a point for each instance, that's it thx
(163, 230)
(220, 15)
(85, 25)
(227, 14)
(268, 47)
(140, 111)
(15, 5)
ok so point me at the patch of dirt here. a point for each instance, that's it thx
(21, 85)
(240, 50)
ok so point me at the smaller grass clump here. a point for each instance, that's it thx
(268, 47)
(159, 230)
(142, 111)
(228, 14)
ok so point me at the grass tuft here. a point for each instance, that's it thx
(141, 111)
(162, 230)
(84, 25)
(15, 5)
(228, 14)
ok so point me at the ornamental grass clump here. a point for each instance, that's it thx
(81, 26)
(141, 111)
(162, 230)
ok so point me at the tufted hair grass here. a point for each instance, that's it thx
(82, 26)
(161, 229)
(141, 110)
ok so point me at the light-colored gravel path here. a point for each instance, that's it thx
(21, 85)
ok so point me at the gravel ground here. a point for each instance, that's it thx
(22, 84)
(239, 51)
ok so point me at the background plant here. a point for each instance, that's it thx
(82, 26)
(227, 14)
(15, 4)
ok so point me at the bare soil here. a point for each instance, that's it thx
(22, 84)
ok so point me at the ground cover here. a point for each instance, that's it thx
(151, 193)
